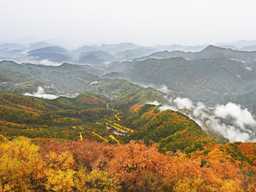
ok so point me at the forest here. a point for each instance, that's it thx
(61, 165)
(90, 143)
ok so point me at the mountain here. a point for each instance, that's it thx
(11, 50)
(52, 53)
(33, 117)
(125, 92)
(243, 45)
(177, 47)
(113, 52)
(12, 47)
(95, 57)
(160, 127)
(213, 75)
(115, 48)
(205, 79)
(110, 48)
(210, 52)
(246, 99)
(62, 79)
(249, 47)
(90, 113)
(70, 79)
(39, 45)
(134, 53)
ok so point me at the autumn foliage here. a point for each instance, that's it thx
(57, 165)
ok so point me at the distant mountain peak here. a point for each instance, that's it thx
(213, 48)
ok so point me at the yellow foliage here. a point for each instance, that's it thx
(61, 161)
(58, 180)
(188, 185)
(230, 186)
(59, 172)
(20, 165)
(95, 181)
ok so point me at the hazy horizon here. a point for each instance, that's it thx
(73, 23)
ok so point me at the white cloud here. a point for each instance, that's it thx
(248, 68)
(40, 93)
(231, 120)
(242, 117)
(183, 103)
(164, 89)
(167, 107)
(156, 103)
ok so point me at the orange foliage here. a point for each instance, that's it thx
(248, 149)
(136, 108)
(90, 100)
(68, 165)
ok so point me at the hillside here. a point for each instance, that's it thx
(171, 130)
(95, 116)
(89, 143)
(60, 118)
(62, 79)
(200, 79)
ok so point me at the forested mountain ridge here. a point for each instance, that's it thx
(96, 117)
(214, 75)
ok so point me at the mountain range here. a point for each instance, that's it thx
(213, 75)
(120, 118)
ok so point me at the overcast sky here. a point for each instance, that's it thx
(148, 22)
